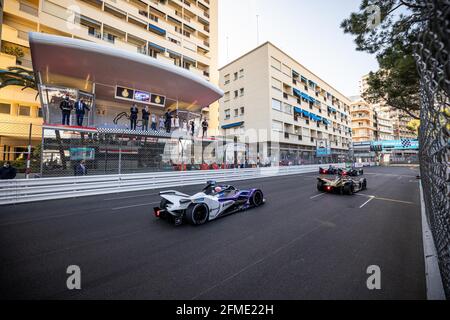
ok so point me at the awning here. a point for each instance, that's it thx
(303, 79)
(305, 113)
(326, 121)
(156, 29)
(56, 57)
(233, 125)
(297, 93)
(155, 46)
(298, 110)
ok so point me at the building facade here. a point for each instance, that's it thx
(398, 119)
(297, 116)
(364, 121)
(183, 33)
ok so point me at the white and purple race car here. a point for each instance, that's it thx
(213, 202)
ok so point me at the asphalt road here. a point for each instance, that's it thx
(300, 245)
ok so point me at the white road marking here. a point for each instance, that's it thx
(131, 197)
(317, 195)
(394, 200)
(371, 198)
(135, 206)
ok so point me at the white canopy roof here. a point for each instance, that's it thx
(55, 56)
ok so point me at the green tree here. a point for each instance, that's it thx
(17, 76)
(391, 35)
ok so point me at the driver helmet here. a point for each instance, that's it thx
(218, 189)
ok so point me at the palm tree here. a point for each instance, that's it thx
(17, 76)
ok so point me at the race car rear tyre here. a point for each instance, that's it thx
(320, 186)
(364, 184)
(197, 214)
(349, 189)
(257, 198)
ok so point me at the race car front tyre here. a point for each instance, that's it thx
(257, 198)
(197, 214)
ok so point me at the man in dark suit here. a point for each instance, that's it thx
(80, 110)
(66, 108)
(80, 169)
(134, 111)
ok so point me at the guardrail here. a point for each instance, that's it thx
(29, 190)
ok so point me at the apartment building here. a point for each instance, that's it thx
(400, 122)
(180, 32)
(385, 128)
(398, 119)
(304, 118)
(364, 121)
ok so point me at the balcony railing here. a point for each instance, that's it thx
(28, 8)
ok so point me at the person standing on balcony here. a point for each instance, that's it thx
(145, 118)
(176, 123)
(161, 123)
(134, 111)
(192, 128)
(66, 108)
(80, 111)
(205, 126)
(153, 122)
(168, 121)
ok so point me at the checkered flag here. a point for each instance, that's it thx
(406, 143)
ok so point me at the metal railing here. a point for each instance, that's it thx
(29, 190)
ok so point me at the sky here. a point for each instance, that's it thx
(309, 31)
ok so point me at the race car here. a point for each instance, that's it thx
(350, 171)
(341, 185)
(213, 202)
(329, 170)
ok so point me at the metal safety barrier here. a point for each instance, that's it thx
(29, 190)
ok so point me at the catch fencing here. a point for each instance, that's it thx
(433, 60)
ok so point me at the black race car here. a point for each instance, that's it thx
(350, 171)
(341, 185)
(329, 170)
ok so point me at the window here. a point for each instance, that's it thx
(241, 92)
(276, 84)
(277, 126)
(242, 111)
(275, 63)
(236, 94)
(236, 113)
(287, 108)
(276, 104)
(227, 79)
(24, 111)
(286, 70)
(235, 76)
(226, 96)
(227, 114)
(39, 113)
(5, 108)
(241, 73)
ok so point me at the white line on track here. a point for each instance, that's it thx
(135, 206)
(131, 197)
(364, 204)
(317, 195)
